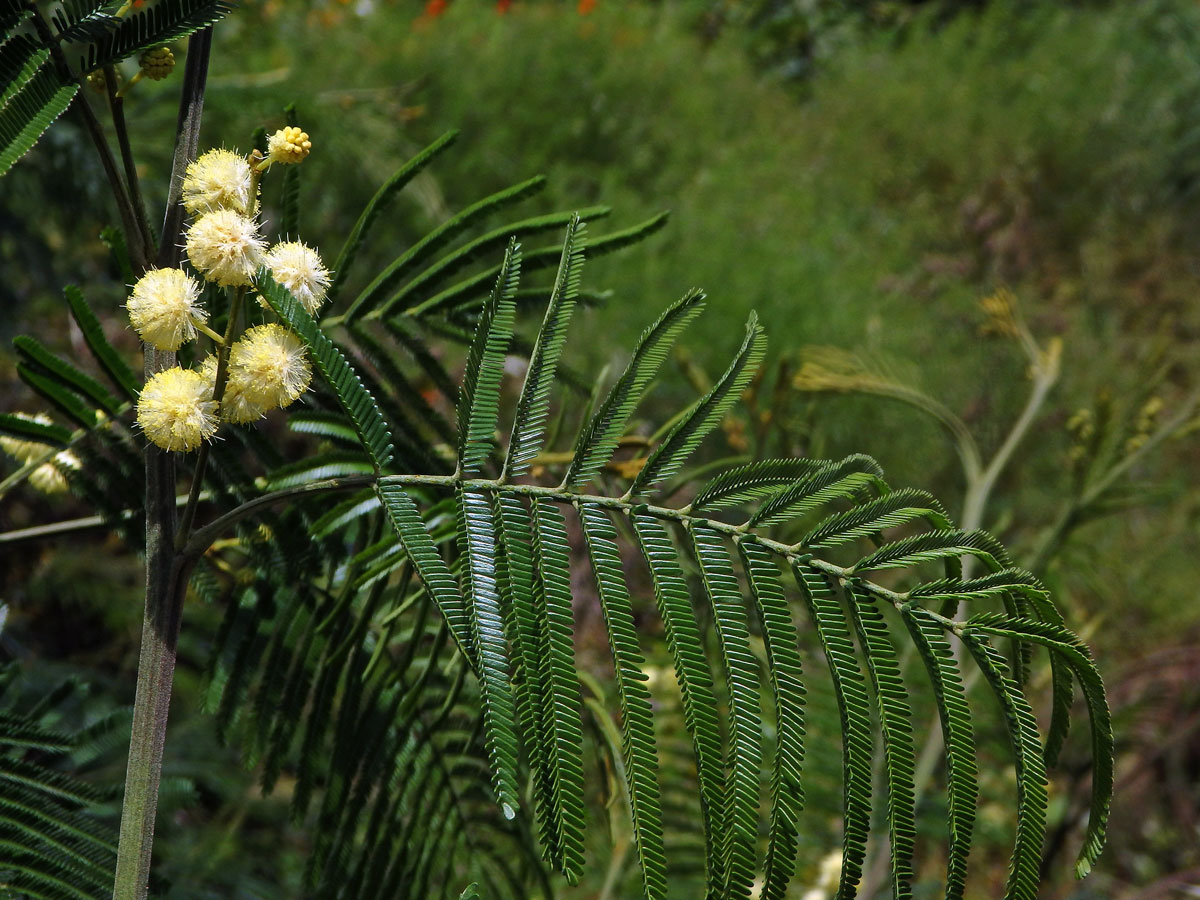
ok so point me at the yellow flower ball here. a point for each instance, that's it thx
(219, 179)
(225, 247)
(269, 366)
(164, 308)
(176, 409)
(236, 407)
(288, 146)
(299, 269)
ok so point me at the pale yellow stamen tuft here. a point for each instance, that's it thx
(269, 366)
(225, 247)
(235, 406)
(299, 269)
(219, 179)
(176, 409)
(164, 310)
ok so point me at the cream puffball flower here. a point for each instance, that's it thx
(235, 406)
(163, 308)
(287, 146)
(219, 179)
(299, 269)
(21, 450)
(225, 247)
(269, 366)
(50, 478)
(176, 409)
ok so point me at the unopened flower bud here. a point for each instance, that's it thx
(97, 82)
(157, 63)
(287, 146)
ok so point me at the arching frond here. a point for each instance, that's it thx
(408, 650)
(957, 734)
(165, 21)
(895, 725)
(30, 109)
(641, 760)
(533, 405)
(332, 364)
(479, 405)
(784, 669)
(506, 595)
(706, 414)
(55, 844)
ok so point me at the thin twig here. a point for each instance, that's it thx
(116, 108)
(187, 144)
(222, 375)
(95, 131)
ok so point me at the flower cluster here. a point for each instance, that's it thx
(50, 476)
(264, 368)
(176, 409)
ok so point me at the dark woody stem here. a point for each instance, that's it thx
(166, 569)
(187, 144)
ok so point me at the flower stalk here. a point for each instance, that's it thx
(166, 569)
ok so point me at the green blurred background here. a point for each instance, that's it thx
(862, 174)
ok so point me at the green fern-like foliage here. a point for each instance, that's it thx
(417, 668)
(745, 575)
(54, 844)
(42, 63)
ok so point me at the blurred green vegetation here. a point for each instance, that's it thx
(1044, 148)
(919, 165)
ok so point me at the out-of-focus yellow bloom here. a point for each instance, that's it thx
(164, 308)
(269, 367)
(219, 179)
(299, 269)
(21, 450)
(225, 247)
(176, 409)
(98, 83)
(287, 146)
(50, 478)
(827, 878)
